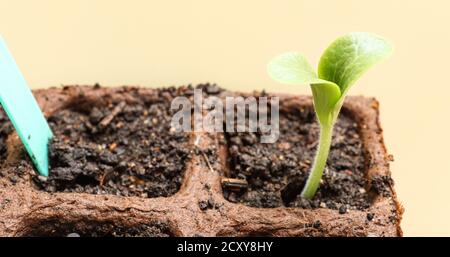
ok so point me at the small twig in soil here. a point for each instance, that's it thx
(107, 120)
(207, 161)
(234, 184)
(103, 178)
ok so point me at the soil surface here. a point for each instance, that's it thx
(54, 227)
(126, 149)
(276, 173)
(5, 129)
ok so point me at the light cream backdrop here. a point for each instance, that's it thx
(161, 43)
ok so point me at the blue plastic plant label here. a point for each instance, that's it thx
(23, 111)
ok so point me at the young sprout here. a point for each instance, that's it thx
(342, 63)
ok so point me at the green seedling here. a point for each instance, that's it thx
(342, 63)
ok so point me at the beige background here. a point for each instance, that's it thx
(162, 43)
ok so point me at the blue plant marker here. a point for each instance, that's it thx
(23, 111)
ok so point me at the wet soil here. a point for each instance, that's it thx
(276, 173)
(5, 129)
(121, 148)
(82, 228)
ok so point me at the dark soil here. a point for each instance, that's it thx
(58, 228)
(126, 149)
(276, 173)
(382, 185)
(5, 129)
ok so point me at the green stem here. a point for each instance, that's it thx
(312, 184)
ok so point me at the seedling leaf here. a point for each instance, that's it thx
(350, 56)
(293, 68)
(325, 95)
